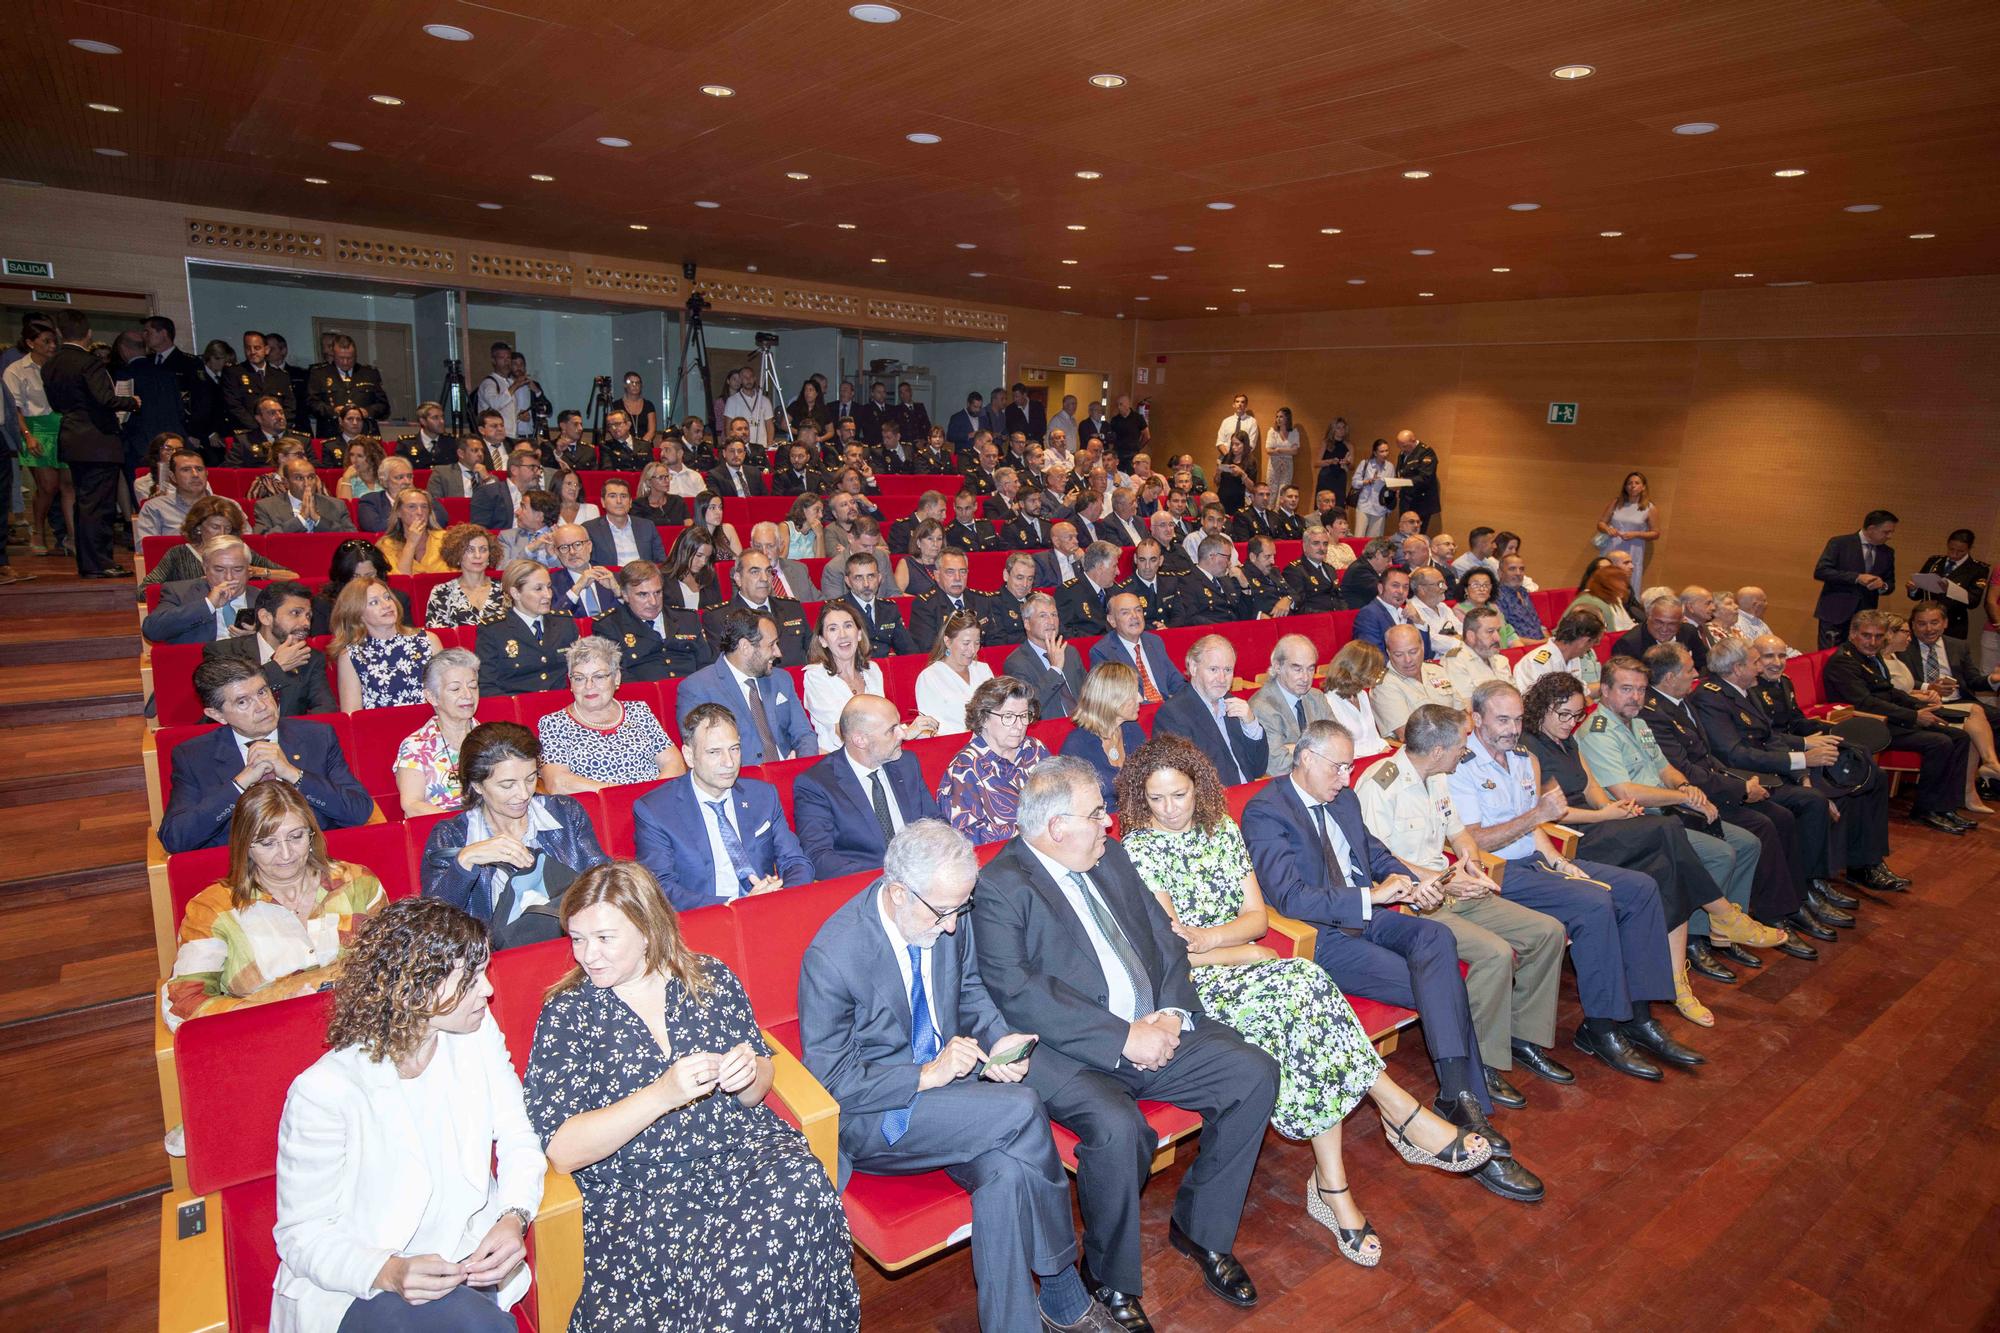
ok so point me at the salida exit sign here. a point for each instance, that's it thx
(1562, 414)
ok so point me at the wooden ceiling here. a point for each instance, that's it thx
(1304, 114)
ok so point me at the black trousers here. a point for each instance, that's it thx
(1779, 887)
(96, 514)
(1945, 754)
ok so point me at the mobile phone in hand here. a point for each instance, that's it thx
(1007, 1057)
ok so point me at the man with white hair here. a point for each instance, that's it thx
(1751, 603)
(789, 578)
(205, 609)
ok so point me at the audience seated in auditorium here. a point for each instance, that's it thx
(1313, 579)
(474, 464)
(426, 765)
(929, 611)
(1409, 683)
(1155, 589)
(1386, 610)
(1605, 590)
(510, 854)
(1860, 674)
(856, 798)
(521, 652)
(166, 511)
(982, 785)
(577, 585)
(1572, 648)
(253, 743)
(414, 1103)
(967, 531)
(689, 572)
(712, 835)
(798, 533)
(1477, 589)
(945, 687)
(705, 513)
(1428, 610)
(1288, 702)
(377, 654)
(210, 517)
(1665, 622)
(600, 740)
(1361, 582)
(472, 598)
(256, 445)
(273, 482)
(375, 511)
(1352, 678)
(1216, 592)
(413, 544)
(769, 718)
(1221, 724)
(1511, 596)
(1477, 659)
(916, 573)
(837, 669)
(1080, 601)
(1129, 642)
(304, 506)
(654, 640)
(1270, 597)
(205, 609)
(619, 535)
(277, 922)
(657, 502)
(278, 646)
(363, 474)
(750, 590)
(1943, 666)
(1106, 722)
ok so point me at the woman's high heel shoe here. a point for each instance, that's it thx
(1350, 1240)
(1457, 1159)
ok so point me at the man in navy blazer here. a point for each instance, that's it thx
(1854, 571)
(896, 1023)
(1316, 861)
(748, 648)
(617, 521)
(1223, 727)
(1372, 622)
(205, 609)
(252, 745)
(711, 835)
(373, 511)
(966, 424)
(854, 800)
(1126, 613)
(580, 585)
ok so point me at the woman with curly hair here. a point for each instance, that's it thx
(1177, 830)
(701, 1208)
(210, 517)
(391, 1214)
(472, 598)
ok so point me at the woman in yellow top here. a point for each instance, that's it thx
(277, 924)
(412, 545)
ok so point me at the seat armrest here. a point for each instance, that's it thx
(1564, 837)
(1304, 938)
(558, 1251)
(166, 931)
(1494, 866)
(194, 1286)
(813, 1106)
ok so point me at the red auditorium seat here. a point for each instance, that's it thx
(616, 832)
(175, 704)
(782, 775)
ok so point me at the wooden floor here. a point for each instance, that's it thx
(1831, 1168)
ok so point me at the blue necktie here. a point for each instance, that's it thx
(730, 842)
(923, 1042)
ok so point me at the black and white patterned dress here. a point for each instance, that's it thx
(628, 752)
(449, 606)
(714, 1217)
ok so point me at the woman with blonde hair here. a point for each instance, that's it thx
(1107, 722)
(408, 1173)
(1355, 671)
(701, 1208)
(378, 656)
(412, 545)
(277, 922)
(657, 501)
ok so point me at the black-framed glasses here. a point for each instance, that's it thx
(946, 914)
(1571, 714)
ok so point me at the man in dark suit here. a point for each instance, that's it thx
(208, 608)
(899, 534)
(1072, 946)
(1002, 612)
(1154, 588)
(1939, 662)
(252, 378)
(279, 351)
(303, 507)
(932, 608)
(1128, 644)
(1025, 416)
(1213, 593)
(1854, 570)
(1259, 519)
(1665, 622)
(801, 474)
(1029, 530)
(853, 801)
(911, 416)
(896, 455)
(1318, 862)
(567, 449)
(253, 744)
(732, 476)
(373, 511)
(868, 418)
(655, 641)
(340, 382)
(1419, 463)
(711, 835)
(1080, 601)
(1222, 726)
(771, 722)
(79, 390)
(1314, 583)
(1045, 660)
(295, 669)
(896, 1022)
(965, 424)
(618, 536)
(257, 445)
(887, 636)
(1363, 580)
(577, 585)
(172, 387)
(1856, 675)
(1965, 581)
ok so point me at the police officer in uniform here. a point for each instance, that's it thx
(1270, 595)
(655, 641)
(1513, 954)
(1315, 584)
(522, 651)
(1154, 588)
(1002, 613)
(750, 587)
(258, 445)
(1213, 594)
(932, 607)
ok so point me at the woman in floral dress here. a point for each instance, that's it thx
(378, 656)
(702, 1210)
(1176, 827)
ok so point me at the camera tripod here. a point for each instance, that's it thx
(694, 358)
(773, 391)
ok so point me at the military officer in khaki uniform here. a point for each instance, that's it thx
(1410, 682)
(1513, 953)
(1572, 647)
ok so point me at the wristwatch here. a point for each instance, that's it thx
(526, 1219)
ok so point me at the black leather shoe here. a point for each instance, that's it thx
(1502, 1092)
(1833, 894)
(1537, 1061)
(1805, 923)
(1794, 947)
(1123, 1306)
(1739, 955)
(1466, 1113)
(1650, 1036)
(1510, 1180)
(1881, 879)
(1219, 1269)
(1826, 912)
(1703, 962)
(1615, 1050)
(1941, 823)
(1964, 825)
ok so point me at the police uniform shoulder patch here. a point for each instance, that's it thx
(1385, 774)
(1600, 723)
(631, 641)
(1711, 686)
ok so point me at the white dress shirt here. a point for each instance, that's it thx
(1235, 421)
(624, 543)
(727, 885)
(866, 776)
(899, 949)
(1342, 849)
(1121, 998)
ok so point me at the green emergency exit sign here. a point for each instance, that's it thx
(29, 268)
(1562, 414)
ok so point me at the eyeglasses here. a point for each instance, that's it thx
(946, 914)
(1012, 719)
(573, 546)
(1571, 714)
(1340, 766)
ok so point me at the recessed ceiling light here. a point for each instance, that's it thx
(1923, 236)
(718, 90)
(1329, 231)
(1572, 71)
(967, 245)
(1239, 290)
(1159, 277)
(344, 146)
(878, 260)
(1075, 226)
(845, 226)
(1062, 286)
(748, 268)
(638, 226)
(104, 106)
(1142, 298)
(1423, 252)
(1426, 293)
(1221, 205)
(109, 152)
(1184, 249)
(315, 180)
(1274, 266)
(798, 175)
(96, 47)
(975, 275)
(1611, 233)
(613, 141)
(1416, 174)
(1697, 127)
(446, 32)
(1357, 282)
(384, 99)
(874, 13)
(1746, 275)
(1107, 80)
(1211, 307)
(1522, 208)
(1862, 208)
(1795, 282)
(923, 136)
(706, 203)
(491, 208)
(541, 176)
(1503, 270)
(1089, 175)
(1069, 261)
(1789, 173)
(1683, 254)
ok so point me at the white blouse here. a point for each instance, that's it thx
(826, 695)
(943, 694)
(1358, 716)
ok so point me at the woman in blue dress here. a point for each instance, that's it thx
(378, 656)
(1629, 523)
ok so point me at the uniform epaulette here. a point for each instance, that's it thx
(1541, 654)
(1600, 723)
(1711, 685)
(1384, 774)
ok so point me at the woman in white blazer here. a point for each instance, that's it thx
(390, 1214)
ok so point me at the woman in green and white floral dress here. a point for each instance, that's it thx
(1174, 821)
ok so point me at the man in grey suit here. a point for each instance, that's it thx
(1052, 669)
(1073, 946)
(303, 507)
(1288, 702)
(205, 609)
(462, 478)
(897, 1025)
